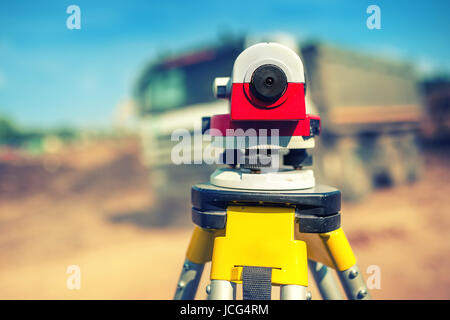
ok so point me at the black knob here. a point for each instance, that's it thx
(268, 83)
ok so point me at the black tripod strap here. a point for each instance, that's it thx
(256, 283)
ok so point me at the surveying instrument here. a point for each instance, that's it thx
(262, 220)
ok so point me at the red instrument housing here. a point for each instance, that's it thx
(290, 106)
(290, 128)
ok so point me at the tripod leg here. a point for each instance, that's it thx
(199, 252)
(188, 282)
(353, 283)
(222, 290)
(292, 292)
(325, 281)
(345, 262)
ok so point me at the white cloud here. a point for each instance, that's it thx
(427, 66)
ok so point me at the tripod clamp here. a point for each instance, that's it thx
(316, 209)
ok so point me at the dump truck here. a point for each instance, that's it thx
(371, 111)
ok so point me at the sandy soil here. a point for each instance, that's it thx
(62, 210)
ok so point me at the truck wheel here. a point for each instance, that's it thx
(342, 167)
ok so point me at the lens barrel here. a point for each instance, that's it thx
(268, 83)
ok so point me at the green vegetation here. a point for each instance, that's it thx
(32, 139)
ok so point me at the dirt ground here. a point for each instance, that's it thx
(62, 210)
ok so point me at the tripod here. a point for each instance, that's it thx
(263, 237)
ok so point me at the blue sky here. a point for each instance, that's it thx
(50, 75)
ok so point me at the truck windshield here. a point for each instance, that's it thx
(166, 90)
(186, 80)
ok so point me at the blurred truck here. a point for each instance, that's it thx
(370, 108)
(436, 129)
(174, 93)
(371, 112)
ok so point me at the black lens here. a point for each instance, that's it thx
(268, 83)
